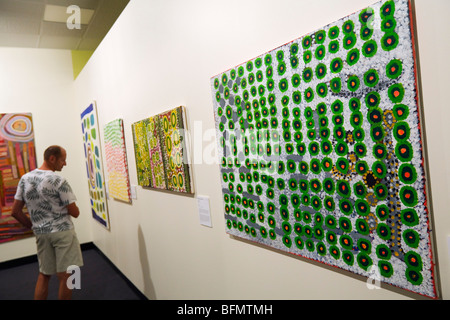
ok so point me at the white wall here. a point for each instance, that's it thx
(41, 82)
(434, 72)
(162, 54)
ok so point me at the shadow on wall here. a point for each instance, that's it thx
(149, 289)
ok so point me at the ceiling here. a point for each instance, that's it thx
(34, 23)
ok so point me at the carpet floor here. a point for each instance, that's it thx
(100, 280)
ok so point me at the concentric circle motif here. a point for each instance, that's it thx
(16, 127)
(320, 148)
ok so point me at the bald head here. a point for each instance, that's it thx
(55, 151)
(55, 157)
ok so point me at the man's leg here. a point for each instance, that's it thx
(68, 254)
(64, 292)
(41, 290)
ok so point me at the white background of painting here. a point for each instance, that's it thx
(162, 54)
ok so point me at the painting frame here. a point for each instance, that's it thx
(365, 179)
(119, 187)
(17, 157)
(162, 152)
(94, 165)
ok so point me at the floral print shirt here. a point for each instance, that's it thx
(46, 195)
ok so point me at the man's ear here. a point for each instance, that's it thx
(52, 159)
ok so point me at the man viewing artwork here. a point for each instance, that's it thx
(51, 204)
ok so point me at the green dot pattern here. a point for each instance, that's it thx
(320, 149)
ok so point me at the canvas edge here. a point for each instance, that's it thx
(98, 219)
(424, 150)
(186, 145)
(128, 200)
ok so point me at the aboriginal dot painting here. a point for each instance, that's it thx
(94, 166)
(116, 161)
(141, 135)
(17, 157)
(161, 152)
(320, 149)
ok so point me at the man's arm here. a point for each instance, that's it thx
(73, 210)
(17, 213)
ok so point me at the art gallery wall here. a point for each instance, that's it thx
(40, 81)
(162, 54)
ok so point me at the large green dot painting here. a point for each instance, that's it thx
(320, 149)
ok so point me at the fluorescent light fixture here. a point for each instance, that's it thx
(59, 14)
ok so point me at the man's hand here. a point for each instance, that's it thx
(73, 210)
(17, 213)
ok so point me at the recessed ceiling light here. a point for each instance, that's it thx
(59, 14)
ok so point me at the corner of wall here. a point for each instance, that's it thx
(79, 60)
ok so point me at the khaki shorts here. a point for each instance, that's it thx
(57, 251)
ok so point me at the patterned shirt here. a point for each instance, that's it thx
(46, 195)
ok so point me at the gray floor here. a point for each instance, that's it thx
(99, 280)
